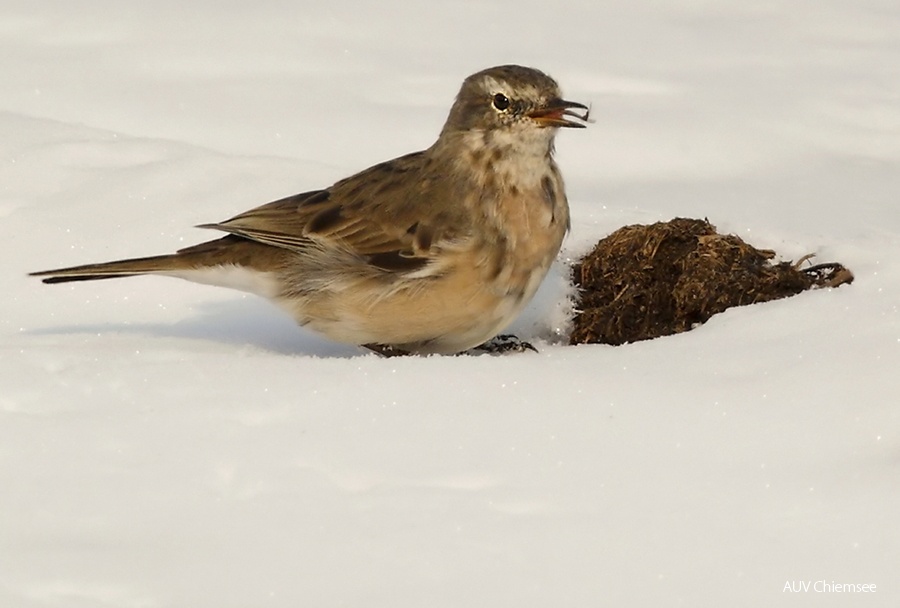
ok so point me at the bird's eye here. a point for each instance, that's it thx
(501, 101)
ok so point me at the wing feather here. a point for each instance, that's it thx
(379, 214)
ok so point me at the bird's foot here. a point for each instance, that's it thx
(498, 345)
(386, 350)
(504, 344)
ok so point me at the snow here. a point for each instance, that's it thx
(170, 444)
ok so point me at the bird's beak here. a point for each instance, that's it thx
(554, 114)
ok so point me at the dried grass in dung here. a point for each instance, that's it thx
(643, 282)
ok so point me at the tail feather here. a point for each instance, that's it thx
(113, 270)
(189, 263)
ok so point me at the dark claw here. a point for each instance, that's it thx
(505, 344)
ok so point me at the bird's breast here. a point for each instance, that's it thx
(525, 229)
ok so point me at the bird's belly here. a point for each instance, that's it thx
(441, 314)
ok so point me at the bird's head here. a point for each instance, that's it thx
(514, 99)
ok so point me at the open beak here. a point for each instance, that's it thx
(555, 112)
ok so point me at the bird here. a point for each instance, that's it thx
(433, 252)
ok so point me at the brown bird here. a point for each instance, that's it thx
(433, 252)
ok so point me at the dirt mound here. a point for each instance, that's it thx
(643, 282)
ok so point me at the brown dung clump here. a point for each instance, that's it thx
(643, 282)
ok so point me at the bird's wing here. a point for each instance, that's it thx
(396, 214)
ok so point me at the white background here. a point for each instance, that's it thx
(164, 444)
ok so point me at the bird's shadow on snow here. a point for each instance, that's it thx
(243, 322)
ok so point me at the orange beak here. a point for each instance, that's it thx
(555, 112)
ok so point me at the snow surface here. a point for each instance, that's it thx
(164, 444)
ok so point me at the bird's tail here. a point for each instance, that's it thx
(112, 270)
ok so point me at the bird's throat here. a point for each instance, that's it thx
(505, 159)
